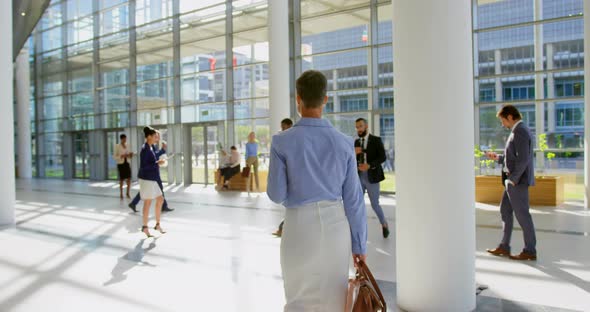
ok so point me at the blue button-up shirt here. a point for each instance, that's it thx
(251, 150)
(314, 162)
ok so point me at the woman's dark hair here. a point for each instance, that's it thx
(122, 136)
(234, 148)
(149, 131)
(311, 87)
(509, 110)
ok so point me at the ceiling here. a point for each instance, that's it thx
(23, 25)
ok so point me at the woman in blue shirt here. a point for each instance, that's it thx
(313, 173)
(149, 175)
(252, 159)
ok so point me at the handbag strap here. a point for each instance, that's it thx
(362, 266)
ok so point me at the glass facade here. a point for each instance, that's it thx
(534, 59)
(113, 65)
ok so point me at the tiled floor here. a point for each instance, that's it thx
(77, 247)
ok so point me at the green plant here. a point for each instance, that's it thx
(543, 142)
(559, 141)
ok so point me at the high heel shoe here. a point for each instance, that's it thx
(145, 231)
(159, 228)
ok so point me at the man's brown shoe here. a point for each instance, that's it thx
(524, 256)
(500, 252)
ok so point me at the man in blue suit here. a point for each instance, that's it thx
(518, 174)
(137, 198)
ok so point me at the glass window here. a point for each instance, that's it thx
(103, 4)
(506, 51)
(154, 36)
(52, 62)
(78, 8)
(154, 65)
(386, 99)
(203, 112)
(154, 71)
(80, 30)
(503, 12)
(384, 24)
(80, 80)
(563, 44)
(335, 32)
(114, 73)
(52, 160)
(192, 5)
(562, 8)
(114, 46)
(52, 109)
(81, 104)
(385, 65)
(249, 16)
(51, 39)
(53, 85)
(203, 87)
(150, 10)
(114, 20)
(53, 16)
(114, 99)
(569, 117)
(344, 70)
(154, 94)
(313, 7)
(246, 109)
(203, 55)
(250, 47)
(251, 81)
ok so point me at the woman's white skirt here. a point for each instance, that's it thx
(149, 189)
(315, 256)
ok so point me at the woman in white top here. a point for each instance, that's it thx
(122, 154)
(233, 167)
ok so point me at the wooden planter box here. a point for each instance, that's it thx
(548, 190)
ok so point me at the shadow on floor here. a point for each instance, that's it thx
(130, 260)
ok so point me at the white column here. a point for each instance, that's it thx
(23, 115)
(278, 66)
(539, 90)
(7, 183)
(587, 105)
(435, 215)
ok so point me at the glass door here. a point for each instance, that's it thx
(205, 148)
(81, 155)
(198, 154)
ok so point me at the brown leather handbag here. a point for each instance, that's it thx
(364, 294)
(246, 172)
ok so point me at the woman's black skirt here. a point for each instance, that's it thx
(124, 171)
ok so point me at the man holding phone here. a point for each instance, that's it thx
(518, 175)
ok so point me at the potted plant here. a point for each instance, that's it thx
(548, 190)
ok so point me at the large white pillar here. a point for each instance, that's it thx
(7, 183)
(586, 104)
(25, 169)
(435, 215)
(278, 65)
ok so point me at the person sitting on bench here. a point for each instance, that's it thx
(231, 168)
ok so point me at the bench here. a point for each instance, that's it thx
(238, 182)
